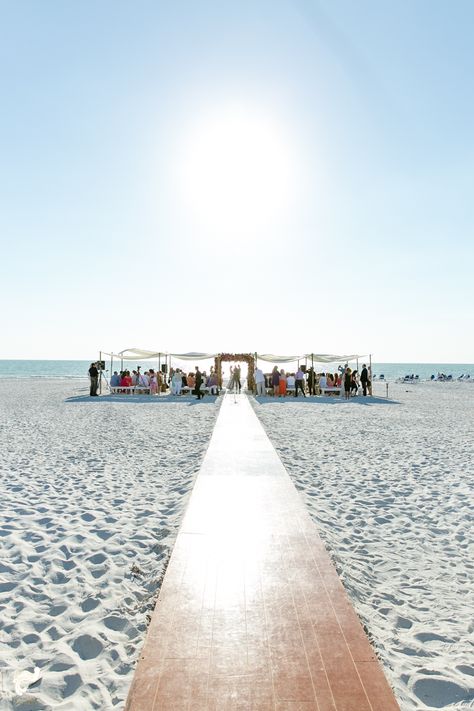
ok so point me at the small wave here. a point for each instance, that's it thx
(42, 377)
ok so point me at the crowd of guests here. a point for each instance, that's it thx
(279, 383)
(177, 382)
(197, 383)
(307, 381)
(148, 380)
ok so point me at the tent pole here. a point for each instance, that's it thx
(100, 372)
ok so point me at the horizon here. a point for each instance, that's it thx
(231, 174)
(141, 360)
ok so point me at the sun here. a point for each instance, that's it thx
(236, 170)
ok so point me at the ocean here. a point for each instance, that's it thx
(78, 368)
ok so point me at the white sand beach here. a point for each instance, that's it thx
(93, 491)
(91, 496)
(390, 486)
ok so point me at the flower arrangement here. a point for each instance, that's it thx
(248, 358)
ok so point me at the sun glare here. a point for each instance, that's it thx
(237, 171)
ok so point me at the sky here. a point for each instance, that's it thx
(273, 176)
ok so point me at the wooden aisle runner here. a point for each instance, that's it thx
(252, 614)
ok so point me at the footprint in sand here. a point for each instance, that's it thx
(436, 693)
(97, 558)
(89, 604)
(87, 647)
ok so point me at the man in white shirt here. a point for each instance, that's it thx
(290, 382)
(299, 382)
(260, 381)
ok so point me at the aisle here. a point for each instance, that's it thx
(252, 614)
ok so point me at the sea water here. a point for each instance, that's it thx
(79, 368)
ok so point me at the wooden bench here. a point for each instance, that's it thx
(329, 390)
(289, 391)
(130, 390)
(186, 390)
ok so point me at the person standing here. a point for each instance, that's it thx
(176, 382)
(275, 381)
(312, 381)
(299, 382)
(94, 378)
(260, 381)
(282, 384)
(364, 379)
(153, 382)
(237, 377)
(198, 383)
(354, 383)
(347, 383)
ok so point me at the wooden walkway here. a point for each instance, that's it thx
(251, 614)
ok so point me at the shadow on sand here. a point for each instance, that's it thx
(144, 399)
(324, 400)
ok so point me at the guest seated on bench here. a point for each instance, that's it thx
(290, 382)
(212, 384)
(115, 380)
(143, 382)
(191, 383)
(126, 381)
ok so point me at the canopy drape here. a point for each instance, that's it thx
(141, 354)
(193, 356)
(271, 358)
(315, 357)
(331, 358)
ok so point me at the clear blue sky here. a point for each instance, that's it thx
(273, 176)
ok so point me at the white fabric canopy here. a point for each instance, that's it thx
(141, 354)
(193, 356)
(331, 358)
(278, 359)
(315, 357)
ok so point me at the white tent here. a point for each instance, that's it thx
(142, 354)
(136, 354)
(314, 357)
(331, 358)
(193, 356)
(270, 358)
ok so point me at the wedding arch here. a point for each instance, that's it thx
(248, 358)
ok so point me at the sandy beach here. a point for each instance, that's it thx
(91, 496)
(390, 487)
(93, 492)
